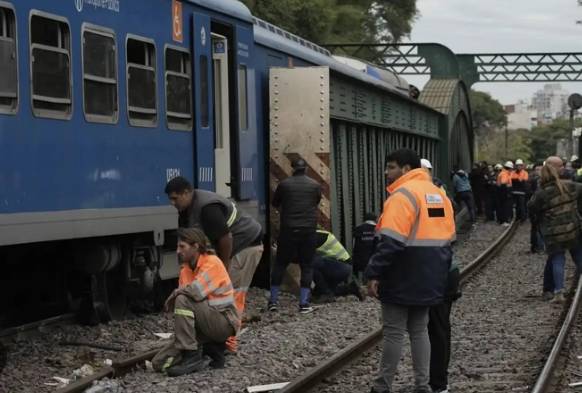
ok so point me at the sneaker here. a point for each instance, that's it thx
(273, 307)
(192, 361)
(558, 298)
(355, 290)
(505, 224)
(305, 308)
(547, 295)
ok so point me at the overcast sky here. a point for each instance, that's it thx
(485, 26)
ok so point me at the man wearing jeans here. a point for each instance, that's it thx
(408, 271)
(297, 199)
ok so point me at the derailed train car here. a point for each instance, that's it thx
(102, 102)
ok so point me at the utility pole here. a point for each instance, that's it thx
(506, 140)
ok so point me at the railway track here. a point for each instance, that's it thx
(307, 381)
(310, 380)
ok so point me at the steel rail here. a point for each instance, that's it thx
(314, 376)
(117, 369)
(12, 331)
(543, 383)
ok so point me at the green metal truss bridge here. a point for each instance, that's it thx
(440, 62)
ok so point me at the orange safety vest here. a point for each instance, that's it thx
(209, 280)
(520, 176)
(416, 229)
(504, 178)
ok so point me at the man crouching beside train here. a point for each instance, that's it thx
(204, 311)
(408, 271)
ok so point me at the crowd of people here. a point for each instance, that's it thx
(219, 247)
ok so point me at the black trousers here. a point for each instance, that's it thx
(520, 206)
(439, 333)
(295, 245)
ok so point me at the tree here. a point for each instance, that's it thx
(488, 113)
(492, 146)
(544, 138)
(340, 21)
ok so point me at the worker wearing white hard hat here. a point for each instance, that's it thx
(519, 180)
(505, 206)
(427, 166)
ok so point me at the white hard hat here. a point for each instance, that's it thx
(574, 157)
(498, 166)
(508, 164)
(425, 163)
(519, 161)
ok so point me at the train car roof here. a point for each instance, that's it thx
(232, 8)
(276, 38)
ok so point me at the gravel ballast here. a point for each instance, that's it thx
(275, 347)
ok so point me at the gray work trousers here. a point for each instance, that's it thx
(397, 320)
(195, 323)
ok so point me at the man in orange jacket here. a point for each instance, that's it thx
(504, 187)
(205, 314)
(409, 269)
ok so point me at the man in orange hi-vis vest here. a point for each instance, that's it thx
(205, 314)
(504, 187)
(234, 234)
(408, 271)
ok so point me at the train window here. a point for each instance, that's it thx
(178, 89)
(141, 82)
(204, 107)
(242, 98)
(8, 62)
(50, 56)
(100, 75)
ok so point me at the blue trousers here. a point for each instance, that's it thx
(554, 269)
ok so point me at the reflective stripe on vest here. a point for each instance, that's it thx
(332, 248)
(232, 217)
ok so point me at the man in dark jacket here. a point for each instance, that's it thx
(409, 268)
(297, 199)
(364, 243)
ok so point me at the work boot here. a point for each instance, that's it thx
(192, 361)
(214, 351)
(356, 291)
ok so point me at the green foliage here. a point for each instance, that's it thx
(544, 138)
(491, 146)
(339, 21)
(487, 112)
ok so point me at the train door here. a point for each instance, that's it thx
(222, 149)
(204, 124)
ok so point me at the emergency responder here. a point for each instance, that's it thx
(519, 184)
(332, 269)
(364, 243)
(236, 237)
(297, 199)
(426, 165)
(204, 311)
(505, 210)
(408, 271)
